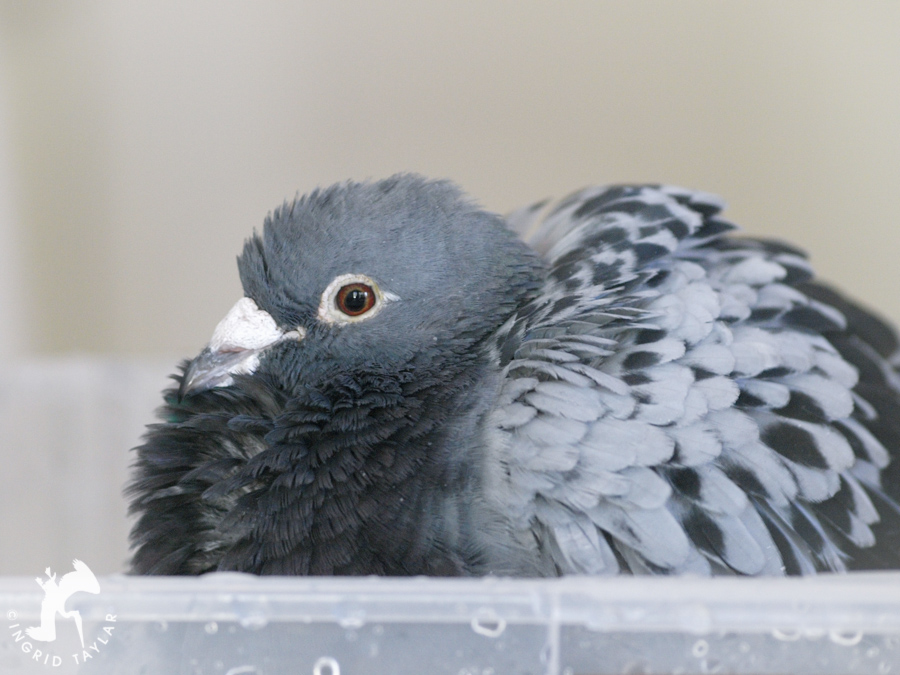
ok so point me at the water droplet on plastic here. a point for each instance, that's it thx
(545, 653)
(487, 623)
(326, 666)
(711, 666)
(356, 620)
(884, 667)
(252, 611)
(243, 670)
(700, 649)
(872, 652)
(845, 639)
(162, 626)
(254, 620)
(786, 635)
(211, 628)
(744, 648)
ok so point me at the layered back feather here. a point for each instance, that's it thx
(680, 400)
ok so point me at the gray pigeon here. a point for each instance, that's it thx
(409, 388)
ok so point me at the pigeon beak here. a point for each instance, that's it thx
(235, 347)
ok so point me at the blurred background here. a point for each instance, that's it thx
(141, 142)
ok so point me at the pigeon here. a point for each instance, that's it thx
(616, 383)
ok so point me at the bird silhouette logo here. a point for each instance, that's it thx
(55, 597)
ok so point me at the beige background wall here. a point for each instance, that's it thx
(140, 142)
(149, 138)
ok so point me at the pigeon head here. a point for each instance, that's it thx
(378, 277)
(337, 393)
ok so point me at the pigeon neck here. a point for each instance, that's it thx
(366, 474)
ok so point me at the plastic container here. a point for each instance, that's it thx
(234, 624)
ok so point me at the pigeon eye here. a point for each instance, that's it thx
(355, 299)
(352, 297)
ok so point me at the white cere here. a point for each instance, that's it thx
(245, 327)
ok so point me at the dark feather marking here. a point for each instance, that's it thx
(886, 426)
(804, 407)
(659, 276)
(763, 314)
(794, 443)
(778, 247)
(640, 360)
(648, 335)
(838, 508)
(686, 481)
(811, 319)
(745, 400)
(647, 252)
(747, 480)
(564, 303)
(876, 332)
(774, 373)
(574, 255)
(635, 379)
(859, 450)
(563, 272)
(713, 228)
(810, 530)
(676, 227)
(704, 531)
(856, 353)
(807, 532)
(887, 530)
(634, 207)
(785, 547)
(604, 272)
(795, 275)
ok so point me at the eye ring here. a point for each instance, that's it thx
(355, 299)
(350, 298)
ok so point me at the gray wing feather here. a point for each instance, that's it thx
(669, 401)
